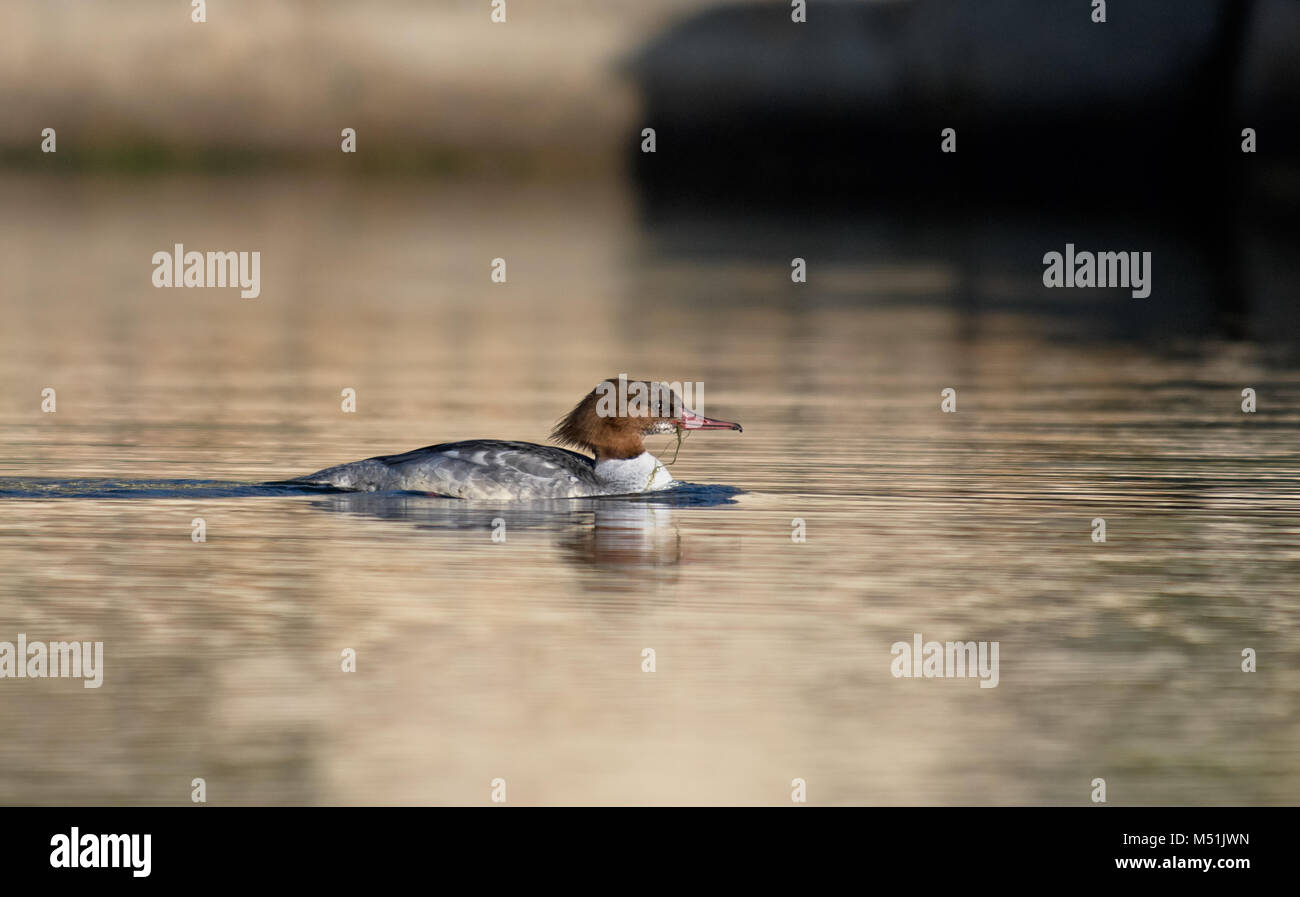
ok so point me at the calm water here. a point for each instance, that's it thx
(521, 659)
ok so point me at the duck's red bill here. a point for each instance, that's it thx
(692, 421)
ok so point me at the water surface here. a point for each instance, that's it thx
(522, 659)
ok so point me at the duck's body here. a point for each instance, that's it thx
(497, 469)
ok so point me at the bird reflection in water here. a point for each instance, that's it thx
(611, 532)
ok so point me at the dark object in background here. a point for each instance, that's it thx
(1049, 107)
(822, 140)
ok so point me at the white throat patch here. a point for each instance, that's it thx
(644, 473)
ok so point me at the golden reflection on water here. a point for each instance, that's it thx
(522, 659)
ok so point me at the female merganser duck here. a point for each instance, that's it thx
(496, 469)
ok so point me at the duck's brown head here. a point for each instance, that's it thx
(612, 420)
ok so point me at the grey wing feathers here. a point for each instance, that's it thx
(479, 468)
